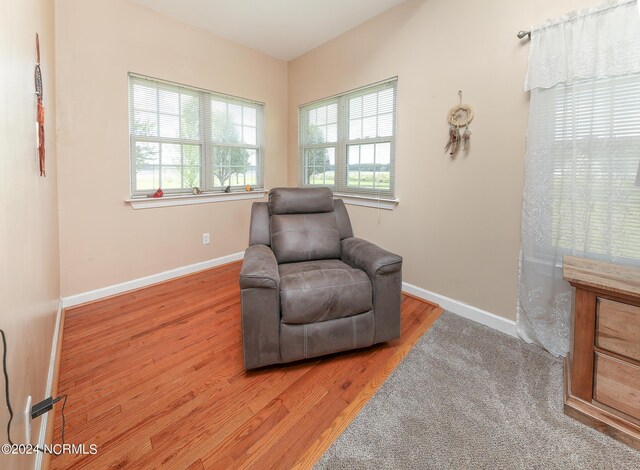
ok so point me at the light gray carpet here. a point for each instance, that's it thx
(467, 396)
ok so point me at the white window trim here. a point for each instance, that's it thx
(188, 199)
(368, 201)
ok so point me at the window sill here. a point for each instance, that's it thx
(368, 201)
(188, 199)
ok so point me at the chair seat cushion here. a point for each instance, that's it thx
(316, 291)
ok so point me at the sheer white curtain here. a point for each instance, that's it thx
(583, 148)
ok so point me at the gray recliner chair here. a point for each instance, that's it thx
(308, 286)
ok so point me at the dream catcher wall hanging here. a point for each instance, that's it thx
(459, 118)
(40, 115)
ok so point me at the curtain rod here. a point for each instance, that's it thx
(576, 15)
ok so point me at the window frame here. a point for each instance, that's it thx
(341, 185)
(205, 140)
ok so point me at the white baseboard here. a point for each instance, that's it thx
(52, 367)
(115, 289)
(464, 310)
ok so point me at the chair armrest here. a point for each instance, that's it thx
(372, 259)
(260, 300)
(385, 270)
(259, 268)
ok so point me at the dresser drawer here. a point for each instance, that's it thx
(617, 384)
(618, 328)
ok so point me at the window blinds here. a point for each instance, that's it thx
(592, 130)
(182, 137)
(347, 142)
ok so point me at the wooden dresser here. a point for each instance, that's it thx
(602, 371)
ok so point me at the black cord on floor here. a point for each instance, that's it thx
(6, 392)
(64, 403)
(6, 386)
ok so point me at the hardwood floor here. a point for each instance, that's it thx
(155, 379)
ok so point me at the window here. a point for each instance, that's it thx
(594, 131)
(183, 137)
(348, 142)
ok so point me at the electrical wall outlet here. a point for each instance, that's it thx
(205, 239)
(27, 421)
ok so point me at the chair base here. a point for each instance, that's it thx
(317, 339)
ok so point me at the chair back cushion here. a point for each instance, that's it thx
(305, 237)
(300, 200)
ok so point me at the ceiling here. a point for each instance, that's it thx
(283, 29)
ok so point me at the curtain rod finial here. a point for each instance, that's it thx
(522, 34)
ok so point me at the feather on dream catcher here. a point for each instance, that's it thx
(459, 118)
(40, 115)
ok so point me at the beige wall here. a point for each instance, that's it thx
(29, 253)
(104, 241)
(458, 221)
